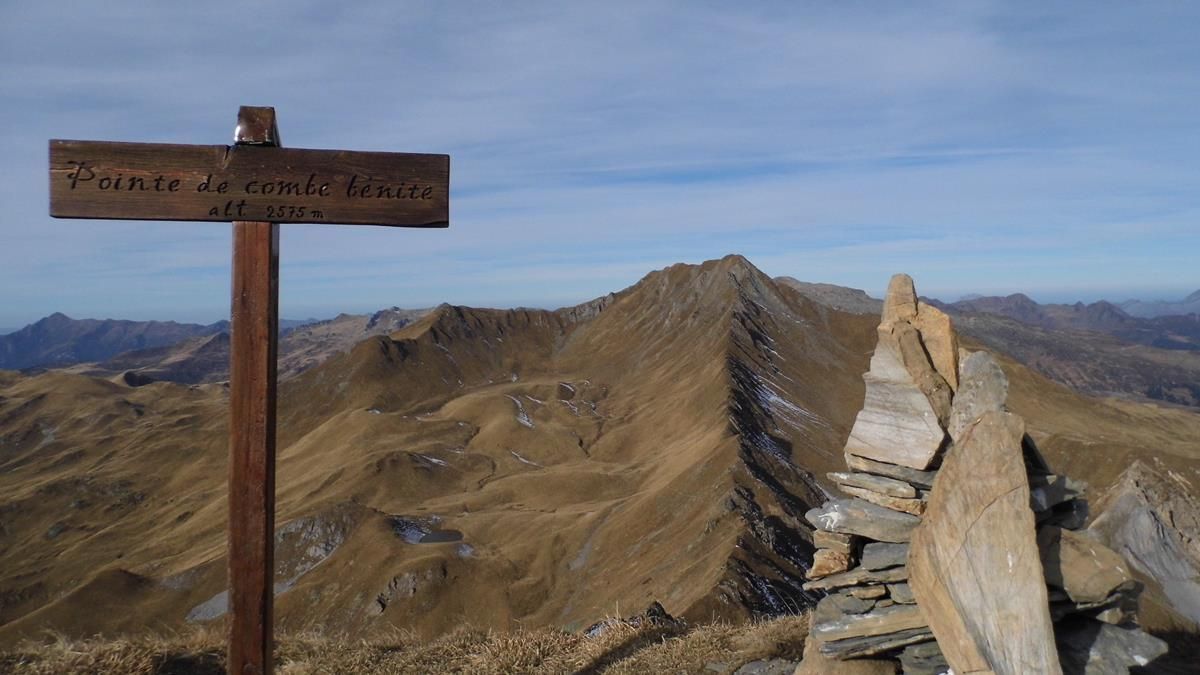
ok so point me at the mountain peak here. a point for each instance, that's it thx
(57, 317)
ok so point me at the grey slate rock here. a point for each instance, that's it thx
(901, 593)
(880, 484)
(882, 555)
(856, 516)
(924, 658)
(858, 577)
(836, 605)
(921, 479)
(857, 647)
(982, 388)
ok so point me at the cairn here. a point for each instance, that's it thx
(956, 546)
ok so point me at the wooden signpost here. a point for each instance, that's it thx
(255, 184)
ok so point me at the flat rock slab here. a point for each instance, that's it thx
(875, 622)
(924, 658)
(834, 541)
(901, 593)
(914, 506)
(857, 647)
(836, 605)
(880, 484)
(1086, 569)
(856, 516)
(858, 577)
(816, 663)
(974, 562)
(868, 592)
(920, 479)
(880, 555)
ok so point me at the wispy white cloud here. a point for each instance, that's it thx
(977, 145)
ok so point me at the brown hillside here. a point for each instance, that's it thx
(497, 468)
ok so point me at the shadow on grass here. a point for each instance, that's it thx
(634, 644)
(191, 663)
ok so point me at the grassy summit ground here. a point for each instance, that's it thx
(713, 648)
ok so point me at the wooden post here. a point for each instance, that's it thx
(252, 394)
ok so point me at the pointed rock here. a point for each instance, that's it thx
(855, 516)
(900, 303)
(940, 340)
(907, 340)
(974, 560)
(983, 387)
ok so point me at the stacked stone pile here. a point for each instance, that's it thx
(956, 546)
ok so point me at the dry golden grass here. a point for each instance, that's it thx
(620, 649)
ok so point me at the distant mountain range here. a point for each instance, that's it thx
(59, 340)
(1153, 308)
(1096, 348)
(1099, 348)
(1180, 331)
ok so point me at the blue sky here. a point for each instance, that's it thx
(981, 147)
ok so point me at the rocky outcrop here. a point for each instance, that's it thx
(957, 546)
(1150, 518)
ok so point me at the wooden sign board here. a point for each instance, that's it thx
(255, 184)
(152, 181)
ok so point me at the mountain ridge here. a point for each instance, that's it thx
(519, 467)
